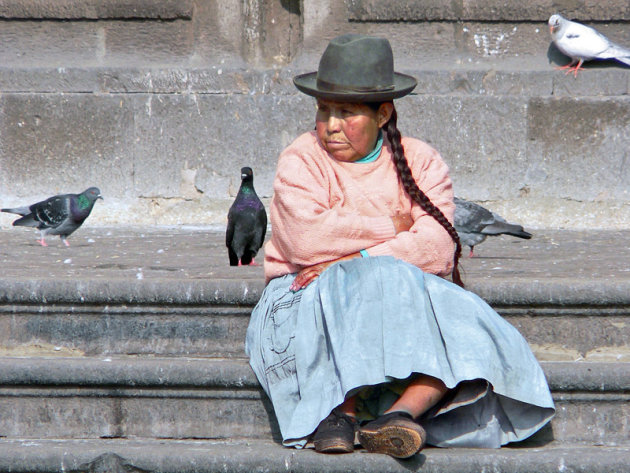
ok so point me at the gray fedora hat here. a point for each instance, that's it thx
(356, 68)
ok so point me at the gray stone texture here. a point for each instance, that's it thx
(241, 456)
(170, 292)
(95, 9)
(535, 10)
(160, 103)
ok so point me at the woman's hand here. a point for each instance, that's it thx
(310, 273)
(402, 222)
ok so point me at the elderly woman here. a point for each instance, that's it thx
(358, 334)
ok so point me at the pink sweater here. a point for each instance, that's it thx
(323, 208)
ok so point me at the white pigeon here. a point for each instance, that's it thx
(583, 43)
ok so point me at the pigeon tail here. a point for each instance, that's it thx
(18, 210)
(624, 59)
(26, 221)
(501, 228)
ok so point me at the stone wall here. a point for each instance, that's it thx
(160, 103)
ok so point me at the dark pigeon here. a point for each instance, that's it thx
(59, 215)
(475, 223)
(247, 223)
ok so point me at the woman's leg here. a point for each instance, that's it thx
(349, 406)
(419, 396)
(396, 433)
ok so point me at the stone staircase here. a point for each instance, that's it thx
(161, 103)
(124, 353)
(101, 370)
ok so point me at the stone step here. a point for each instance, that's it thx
(544, 175)
(562, 321)
(220, 399)
(565, 331)
(170, 292)
(240, 456)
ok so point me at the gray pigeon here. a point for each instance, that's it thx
(475, 223)
(583, 43)
(59, 215)
(247, 223)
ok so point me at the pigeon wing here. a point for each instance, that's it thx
(581, 41)
(52, 212)
(614, 51)
(471, 217)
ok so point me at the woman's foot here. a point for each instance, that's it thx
(395, 434)
(335, 434)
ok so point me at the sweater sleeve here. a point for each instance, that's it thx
(427, 244)
(305, 223)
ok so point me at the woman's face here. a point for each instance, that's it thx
(348, 131)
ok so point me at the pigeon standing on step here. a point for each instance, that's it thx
(247, 223)
(475, 223)
(583, 43)
(58, 215)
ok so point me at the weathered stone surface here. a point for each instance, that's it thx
(512, 10)
(170, 292)
(578, 143)
(54, 44)
(168, 398)
(213, 137)
(95, 9)
(245, 456)
(471, 135)
(195, 104)
(134, 330)
(161, 41)
(65, 145)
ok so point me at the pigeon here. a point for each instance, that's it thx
(474, 223)
(59, 215)
(247, 223)
(583, 43)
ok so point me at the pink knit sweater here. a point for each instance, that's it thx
(323, 208)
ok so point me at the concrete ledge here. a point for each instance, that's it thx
(484, 10)
(216, 291)
(499, 79)
(567, 293)
(95, 9)
(148, 372)
(210, 398)
(236, 456)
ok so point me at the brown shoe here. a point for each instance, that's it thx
(335, 434)
(395, 434)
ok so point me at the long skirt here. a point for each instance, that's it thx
(370, 323)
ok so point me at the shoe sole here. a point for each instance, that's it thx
(333, 446)
(394, 440)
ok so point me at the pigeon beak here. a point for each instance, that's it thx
(100, 197)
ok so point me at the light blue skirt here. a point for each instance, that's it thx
(370, 321)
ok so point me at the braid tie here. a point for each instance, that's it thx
(412, 189)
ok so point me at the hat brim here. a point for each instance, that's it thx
(403, 85)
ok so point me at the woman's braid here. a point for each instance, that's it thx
(411, 187)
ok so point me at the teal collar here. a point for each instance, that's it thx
(373, 156)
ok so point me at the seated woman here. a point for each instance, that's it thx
(358, 334)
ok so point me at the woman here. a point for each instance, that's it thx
(357, 332)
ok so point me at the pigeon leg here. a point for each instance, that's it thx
(42, 242)
(471, 254)
(65, 242)
(253, 263)
(575, 69)
(566, 66)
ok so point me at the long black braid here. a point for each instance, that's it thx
(412, 189)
